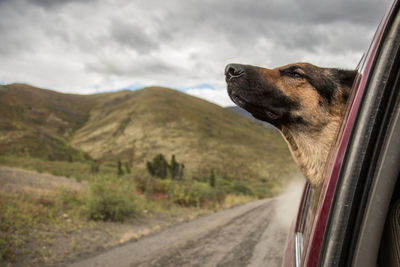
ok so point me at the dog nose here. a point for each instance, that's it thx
(234, 71)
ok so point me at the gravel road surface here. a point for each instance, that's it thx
(246, 235)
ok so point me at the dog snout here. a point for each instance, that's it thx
(234, 71)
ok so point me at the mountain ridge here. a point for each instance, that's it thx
(137, 125)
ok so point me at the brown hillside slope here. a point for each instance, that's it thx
(135, 126)
(204, 136)
(39, 122)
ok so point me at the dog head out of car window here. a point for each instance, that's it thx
(305, 102)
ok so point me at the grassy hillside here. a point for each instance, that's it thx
(134, 127)
(40, 123)
(204, 136)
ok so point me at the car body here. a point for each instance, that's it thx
(347, 220)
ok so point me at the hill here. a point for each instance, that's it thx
(135, 126)
(40, 123)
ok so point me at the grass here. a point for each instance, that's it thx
(27, 218)
(80, 170)
(33, 222)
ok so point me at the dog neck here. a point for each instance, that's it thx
(310, 150)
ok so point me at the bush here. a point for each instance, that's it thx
(200, 194)
(175, 169)
(158, 167)
(220, 195)
(143, 182)
(239, 188)
(120, 171)
(127, 168)
(111, 199)
(161, 186)
(196, 194)
(263, 192)
(212, 179)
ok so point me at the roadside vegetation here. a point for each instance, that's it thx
(32, 221)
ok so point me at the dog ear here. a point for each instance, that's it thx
(346, 77)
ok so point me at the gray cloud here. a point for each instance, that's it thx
(143, 66)
(49, 4)
(132, 36)
(175, 42)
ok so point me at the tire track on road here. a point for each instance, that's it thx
(150, 249)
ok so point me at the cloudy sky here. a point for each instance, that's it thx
(94, 46)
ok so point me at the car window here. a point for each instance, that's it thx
(313, 197)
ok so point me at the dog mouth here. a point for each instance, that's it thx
(260, 112)
(272, 115)
(238, 100)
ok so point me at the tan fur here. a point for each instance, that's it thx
(310, 151)
(310, 146)
(309, 142)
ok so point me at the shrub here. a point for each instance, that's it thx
(220, 195)
(211, 179)
(200, 193)
(158, 167)
(179, 193)
(127, 168)
(239, 188)
(120, 170)
(143, 182)
(225, 184)
(196, 194)
(111, 199)
(161, 186)
(181, 170)
(263, 192)
(175, 168)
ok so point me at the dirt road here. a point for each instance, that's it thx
(246, 235)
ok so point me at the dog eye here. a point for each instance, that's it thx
(295, 74)
(292, 73)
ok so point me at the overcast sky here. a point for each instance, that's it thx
(93, 46)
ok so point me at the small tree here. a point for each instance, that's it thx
(120, 170)
(182, 167)
(127, 168)
(150, 168)
(212, 178)
(174, 167)
(158, 167)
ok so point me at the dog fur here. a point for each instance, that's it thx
(305, 102)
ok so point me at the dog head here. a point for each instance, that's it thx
(300, 96)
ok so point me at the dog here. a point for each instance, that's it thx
(305, 102)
